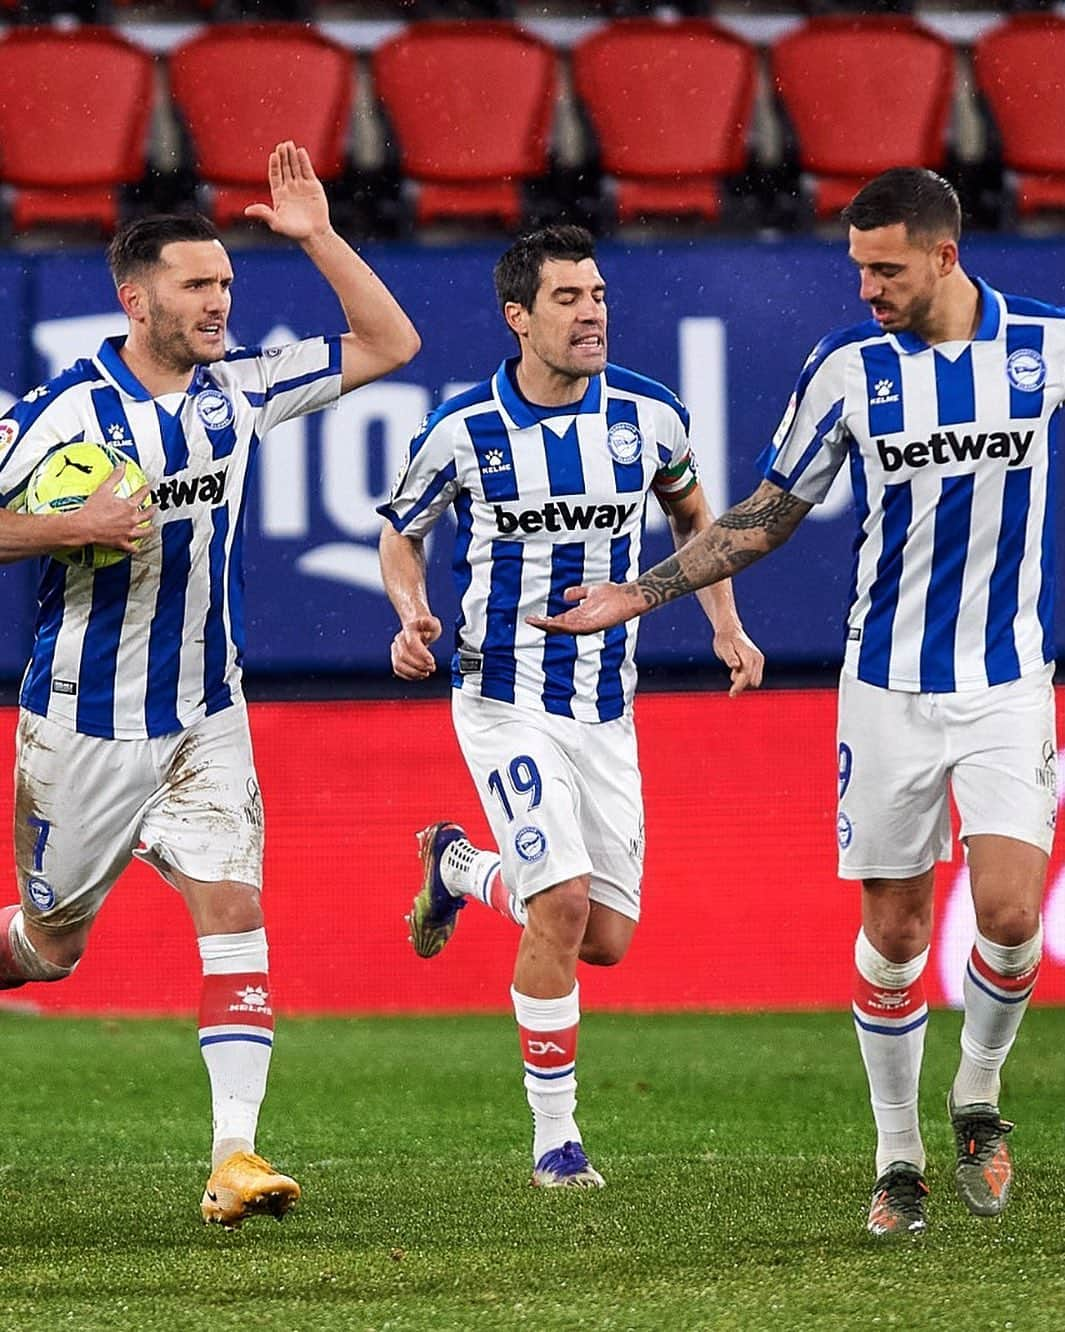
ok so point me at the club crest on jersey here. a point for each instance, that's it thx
(624, 442)
(530, 844)
(1026, 370)
(41, 893)
(215, 409)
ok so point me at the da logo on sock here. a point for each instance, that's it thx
(530, 844)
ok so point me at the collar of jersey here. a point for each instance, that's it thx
(115, 367)
(986, 331)
(524, 413)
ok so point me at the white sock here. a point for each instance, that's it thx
(467, 872)
(998, 983)
(890, 1017)
(548, 1032)
(236, 1035)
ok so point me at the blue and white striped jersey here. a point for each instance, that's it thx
(545, 498)
(953, 456)
(152, 644)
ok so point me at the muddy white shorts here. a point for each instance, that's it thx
(562, 797)
(84, 805)
(900, 754)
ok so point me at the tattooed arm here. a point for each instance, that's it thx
(742, 535)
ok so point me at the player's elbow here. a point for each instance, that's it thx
(404, 347)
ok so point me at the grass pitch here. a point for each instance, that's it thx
(737, 1152)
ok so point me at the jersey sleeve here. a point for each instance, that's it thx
(292, 380)
(812, 440)
(676, 475)
(32, 428)
(427, 482)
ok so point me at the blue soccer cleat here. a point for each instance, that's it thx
(434, 912)
(566, 1167)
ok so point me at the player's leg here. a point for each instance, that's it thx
(204, 833)
(892, 825)
(76, 814)
(454, 871)
(522, 767)
(547, 1008)
(890, 1017)
(1006, 789)
(611, 820)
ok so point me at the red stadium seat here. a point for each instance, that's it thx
(1020, 71)
(243, 88)
(671, 106)
(471, 105)
(75, 111)
(863, 95)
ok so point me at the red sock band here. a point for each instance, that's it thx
(241, 1000)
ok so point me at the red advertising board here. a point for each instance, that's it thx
(742, 907)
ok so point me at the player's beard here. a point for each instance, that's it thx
(168, 342)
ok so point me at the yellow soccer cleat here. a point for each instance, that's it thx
(246, 1185)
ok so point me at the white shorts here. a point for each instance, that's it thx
(562, 797)
(899, 753)
(84, 806)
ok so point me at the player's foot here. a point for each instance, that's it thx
(246, 1185)
(434, 912)
(897, 1207)
(984, 1171)
(566, 1167)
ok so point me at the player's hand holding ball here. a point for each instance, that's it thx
(108, 490)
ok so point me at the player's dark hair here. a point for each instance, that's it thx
(517, 272)
(923, 200)
(137, 244)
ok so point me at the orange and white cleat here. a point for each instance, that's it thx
(246, 1185)
(984, 1171)
(897, 1206)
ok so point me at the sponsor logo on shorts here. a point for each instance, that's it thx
(1046, 775)
(844, 831)
(41, 893)
(253, 810)
(530, 844)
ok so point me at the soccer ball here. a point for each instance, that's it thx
(65, 479)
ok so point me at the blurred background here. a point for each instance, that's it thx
(710, 147)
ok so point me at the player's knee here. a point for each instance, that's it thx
(603, 953)
(561, 912)
(45, 957)
(1009, 923)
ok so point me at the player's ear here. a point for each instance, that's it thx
(517, 317)
(946, 255)
(133, 297)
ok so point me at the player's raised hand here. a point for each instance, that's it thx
(300, 208)
(411, 658)
(110, 519)
(600, 605)
(743, 658)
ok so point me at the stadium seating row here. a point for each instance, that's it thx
(469, 110)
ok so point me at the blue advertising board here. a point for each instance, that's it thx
(728, 324)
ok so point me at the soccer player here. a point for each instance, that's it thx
(548, 465)
(945, 405)
(133, 733)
